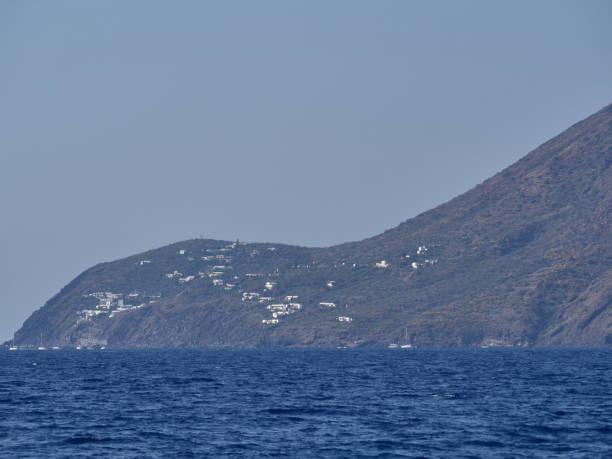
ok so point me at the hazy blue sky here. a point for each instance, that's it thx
(125, 126)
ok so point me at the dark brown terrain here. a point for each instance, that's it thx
(523, 259)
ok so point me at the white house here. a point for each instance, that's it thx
(327, 304)
(246, 296)
(269, 285)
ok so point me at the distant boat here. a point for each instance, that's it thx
(78, 348)
(393, 346)
(55, 348)
(41, 347)
(407, 345)
(13, 347)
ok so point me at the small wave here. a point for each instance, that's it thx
(294, 411)
(321, 398)
(87, 439)
(485, 443)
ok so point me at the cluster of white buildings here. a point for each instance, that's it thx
(282, 309)
(214, 273)
(218, 273)
(270, 321)
(174, 274)
(421, 250)
(110, 304)
(177, 275)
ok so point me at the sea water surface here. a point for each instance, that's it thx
(306, 403)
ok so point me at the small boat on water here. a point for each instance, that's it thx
(393, 346)
(13, 347)
(41, 347)
(406, 345)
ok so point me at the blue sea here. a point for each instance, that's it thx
(489, 403)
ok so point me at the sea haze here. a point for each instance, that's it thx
(306, 403)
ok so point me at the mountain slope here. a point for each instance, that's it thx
(524, 258)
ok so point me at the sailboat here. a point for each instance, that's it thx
(13, 347)
(406, 345)
(41, 347)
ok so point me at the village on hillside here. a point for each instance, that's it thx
(217, 269)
